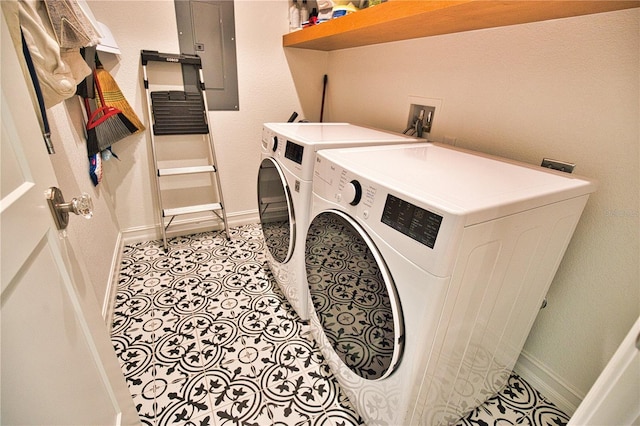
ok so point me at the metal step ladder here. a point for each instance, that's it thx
(175, 112)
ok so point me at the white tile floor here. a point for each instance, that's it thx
(205, 337)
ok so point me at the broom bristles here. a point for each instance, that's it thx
(113, 129)
(106, 126)
(114, 98)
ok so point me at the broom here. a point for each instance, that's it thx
(113, 96)
(106, 125)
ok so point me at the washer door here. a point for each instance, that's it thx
(354, 295)
(276, 210)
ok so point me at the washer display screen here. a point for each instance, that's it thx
(294, 152)
(413, 221)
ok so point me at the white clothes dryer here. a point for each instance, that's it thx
(284, 192)
(426, 268)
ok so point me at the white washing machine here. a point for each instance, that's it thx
(426, 268)
(284, 192)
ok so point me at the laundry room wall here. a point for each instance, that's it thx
(266, 93)
(566, 89)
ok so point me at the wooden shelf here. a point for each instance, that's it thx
(406, 19)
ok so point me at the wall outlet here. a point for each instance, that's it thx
(562, 166)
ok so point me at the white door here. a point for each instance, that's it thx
(57, 364)
(614, 398)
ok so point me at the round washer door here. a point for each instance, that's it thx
(354, 295)
(276, 210)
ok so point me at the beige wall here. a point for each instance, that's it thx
(566, 89)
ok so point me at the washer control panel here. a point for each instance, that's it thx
(419, 230)
(294, 152)
(353, 192)
(269, 141)
(289, 153)
(413, 221)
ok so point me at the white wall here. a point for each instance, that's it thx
(266, 93)
(566, 89)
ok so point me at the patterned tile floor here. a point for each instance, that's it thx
(205, 337)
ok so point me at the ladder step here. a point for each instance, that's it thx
(178, 113)
(186, 170)
(192, 209)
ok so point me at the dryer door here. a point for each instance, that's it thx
(276, 210)
(354, 295)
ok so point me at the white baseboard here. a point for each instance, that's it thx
(188, 226)
(108, 303)
(554, 388)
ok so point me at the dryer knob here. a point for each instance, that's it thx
(353, 192)
(274, 143)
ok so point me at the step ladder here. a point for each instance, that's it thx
(175, 112)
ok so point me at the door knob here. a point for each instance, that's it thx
(82, 206)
